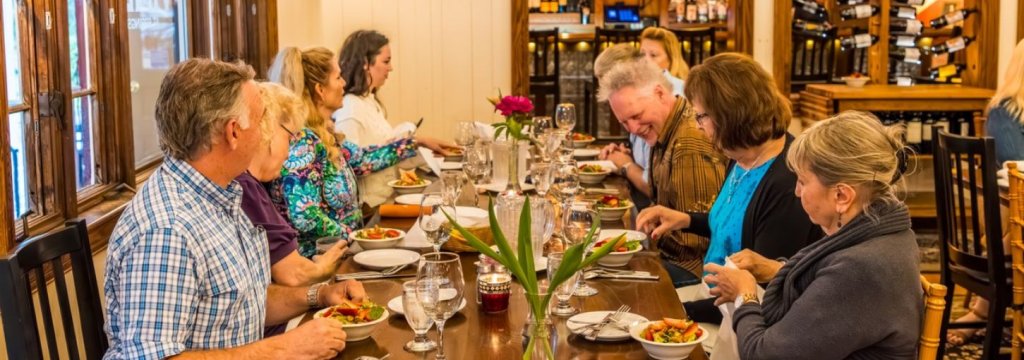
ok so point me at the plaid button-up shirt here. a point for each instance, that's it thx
(186, 270)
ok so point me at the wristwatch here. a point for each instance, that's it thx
(625, 168)
(750, 298)
(313, 295)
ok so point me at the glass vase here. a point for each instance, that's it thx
(540, 337)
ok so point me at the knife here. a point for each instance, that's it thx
(371, 277)
(628, 276)
(596, 328)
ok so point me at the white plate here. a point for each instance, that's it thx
(586, 153)
(466, 212)
(493, 187)
(630, 234)
(409, 199)
(609, 333)
(451, 166)
(383, 259)
(395, 305)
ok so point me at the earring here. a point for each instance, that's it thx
(840, 221)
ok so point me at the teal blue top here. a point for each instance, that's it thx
(729, 210)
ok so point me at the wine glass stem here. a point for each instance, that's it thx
(437, 248)
(440, 341)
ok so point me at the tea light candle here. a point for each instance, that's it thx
(494, 290)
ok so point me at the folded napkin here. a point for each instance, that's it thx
(726, 345)
(484, 131)
(432, 162)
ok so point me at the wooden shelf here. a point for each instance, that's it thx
(694, 26)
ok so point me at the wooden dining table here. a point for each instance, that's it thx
(475, 334)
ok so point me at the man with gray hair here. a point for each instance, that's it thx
(187, 273)
(685, 172)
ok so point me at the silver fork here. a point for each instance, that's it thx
(389, 271)
(614, 318)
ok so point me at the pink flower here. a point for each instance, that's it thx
(514, 105)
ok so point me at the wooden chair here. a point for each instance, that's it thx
(697, 44)
(1016, 234)
(813, 59)
(970, 232)
(604, 38)
(544, 80)
(931, 322)
(979, 124)
(27, 261)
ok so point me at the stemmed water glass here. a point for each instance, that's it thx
(541, 124)
(575, 226)
(565, 181)
(565, 290)
(452, 183)
(540, 172)
(439, 288)
(433, 222)
(565, 116)
(417, 319)
(465, 133)
(549, 141)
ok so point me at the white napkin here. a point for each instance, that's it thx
(405, 129)
(486, 131)
(727, 347)
(432, 162)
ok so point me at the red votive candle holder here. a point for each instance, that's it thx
(494, 291)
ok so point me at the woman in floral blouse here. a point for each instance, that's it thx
(317, 189)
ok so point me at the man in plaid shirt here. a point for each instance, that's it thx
(187, 273)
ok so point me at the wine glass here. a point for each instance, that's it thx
(417, 319)
(540, 172)
(565, 116)
(452, 183)
(465, 133)
(433, 222)
(541, 124)
(564, 149)
(565, 181)
(564, 290)
(439, 288)
(549, 141)
(575, 227)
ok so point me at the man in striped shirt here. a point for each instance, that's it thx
(686, 173)
(187, 272)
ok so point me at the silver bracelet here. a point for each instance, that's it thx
(313, 295)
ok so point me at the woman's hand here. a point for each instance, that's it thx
(658, 220)
(729, 283)
(762, 268)
(438, 146)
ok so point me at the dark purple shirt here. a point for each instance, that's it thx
(281, 236)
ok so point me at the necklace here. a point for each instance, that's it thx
(739, 180)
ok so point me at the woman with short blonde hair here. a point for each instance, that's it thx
(864, 272)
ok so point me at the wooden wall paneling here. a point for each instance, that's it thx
(483, 58)
(411, 39)
(520, 42)
(878, 54)
(456, 88)
(782, 41)
(741, 25)
(982, 55)
(6, 185)
(200, 28)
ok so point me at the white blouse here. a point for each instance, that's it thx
(362, 120)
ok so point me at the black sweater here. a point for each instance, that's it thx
(774, 225)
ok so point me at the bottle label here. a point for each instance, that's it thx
(914, 132)
(954, 17)
(862, 11)
(911, 55)
(691, 13)
(723, 10)
(926, 132)
(915, 2)
(914, 26)
(862, 40)
(906, 41)
(955, 44)
(907, 13)
(904, 81)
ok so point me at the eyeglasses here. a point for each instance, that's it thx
(700, 118)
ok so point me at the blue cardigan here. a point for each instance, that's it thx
(1007, 132)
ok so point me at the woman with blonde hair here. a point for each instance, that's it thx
(858, 288)
(317, 189)
(660, 47)
(284, 115)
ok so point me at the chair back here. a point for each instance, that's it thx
(931, 322)
(1016, 234)
(23, 268)
(544, 53)
(813, 59)
(697, 44)
(605, 38)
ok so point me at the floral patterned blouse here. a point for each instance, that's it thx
(319, 198)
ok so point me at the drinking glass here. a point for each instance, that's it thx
(417, 319)
(565, 181)
(565, 116)
(565, 290)
(433, 221)
(326, 243)
(465, 133)
(439, 288)
(541, 124)
(549, 141)
(478, 155)
(452, 183)
(575, 226)
(540, 172)
(564, 150)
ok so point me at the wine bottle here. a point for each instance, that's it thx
(691, 11)
(926, 133)
(951, 18)
(851, 2)
(858, 41)
(952, 45)
(810, 28)
(723, 10)
(906, 26)
(534, 6)
(858, 12)
(946, 71)
(905, 41)
(563, 5)
(943, 123)
(702, 13)
(908, 2)
(914, 131)
(907, 55)
(680, 11)
(903, 12)
(810, 11)
(712, 10)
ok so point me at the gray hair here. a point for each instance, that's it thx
(197, 97)
(639, 74)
